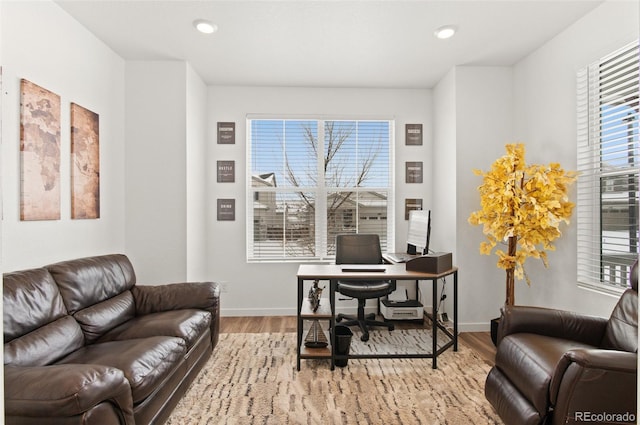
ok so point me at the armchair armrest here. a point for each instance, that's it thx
(596, 381)
(65, 390)
(551, 322)
(176, 296)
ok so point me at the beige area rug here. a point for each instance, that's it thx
(252, 379)
(399, 341)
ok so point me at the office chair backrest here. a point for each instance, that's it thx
(358, 249)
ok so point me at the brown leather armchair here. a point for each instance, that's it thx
(558, 367)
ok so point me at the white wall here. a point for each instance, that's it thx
(1, 197)
(270, 289)
(196, 128)
(473, 123)
(545, 118)
(43, 44)
(166, 181)
(443, 235)
(444, 164)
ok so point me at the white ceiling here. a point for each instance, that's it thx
(382, 44)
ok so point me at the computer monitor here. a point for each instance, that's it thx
(419, 232)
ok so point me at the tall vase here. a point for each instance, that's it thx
(495, 323)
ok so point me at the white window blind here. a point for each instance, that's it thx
(310, 180)
(608, 161)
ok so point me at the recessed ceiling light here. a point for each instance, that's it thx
(445, 32)
(205, 26)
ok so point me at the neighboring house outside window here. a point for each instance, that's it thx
(608, 162)
(310, 180)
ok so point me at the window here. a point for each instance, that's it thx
(608, 161)
(310, 180)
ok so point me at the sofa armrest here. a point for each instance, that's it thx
(550, 322)
(177, 296)
(65, 390)
(594, 381)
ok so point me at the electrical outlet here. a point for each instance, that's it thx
(443, 317)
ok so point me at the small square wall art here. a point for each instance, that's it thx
(411, 204)
(413, 134)
(226, 209)
(226, 133)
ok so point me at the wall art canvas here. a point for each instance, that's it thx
(411, 204)
(413, 134)
(39, 153)
(226, 209)
(226, 133)
(413, 172)
(226, 171)
(85, 163)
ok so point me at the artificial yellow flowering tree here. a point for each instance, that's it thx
(522, 207)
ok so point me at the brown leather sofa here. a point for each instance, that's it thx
(557, 367)
(83, 344)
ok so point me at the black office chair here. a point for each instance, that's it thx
(362, 249)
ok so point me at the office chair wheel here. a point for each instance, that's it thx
(365, 337)
(391, 327)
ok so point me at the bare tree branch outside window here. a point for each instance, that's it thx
(351, 156)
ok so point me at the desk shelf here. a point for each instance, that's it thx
(323, 312)
(324, 317)
(315, 353)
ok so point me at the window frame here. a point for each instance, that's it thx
(321, 191)
(598, 171)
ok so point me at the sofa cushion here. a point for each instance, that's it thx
(30, 299)
(99, 318)
(187, 324)
(145, 362)
(529, 361)
(44, 345)
(37, 328)
(88, 281)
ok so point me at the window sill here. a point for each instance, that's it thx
(602, 289)
(289, 261)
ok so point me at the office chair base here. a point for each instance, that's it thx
(364, 324)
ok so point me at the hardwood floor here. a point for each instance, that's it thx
(478, 341)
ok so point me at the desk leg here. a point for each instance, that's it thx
(332, 321)
(300, 291)
(455, 311)
(434, 321)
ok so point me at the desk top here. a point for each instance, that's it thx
(391, 271)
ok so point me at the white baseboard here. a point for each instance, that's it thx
(474, 327)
